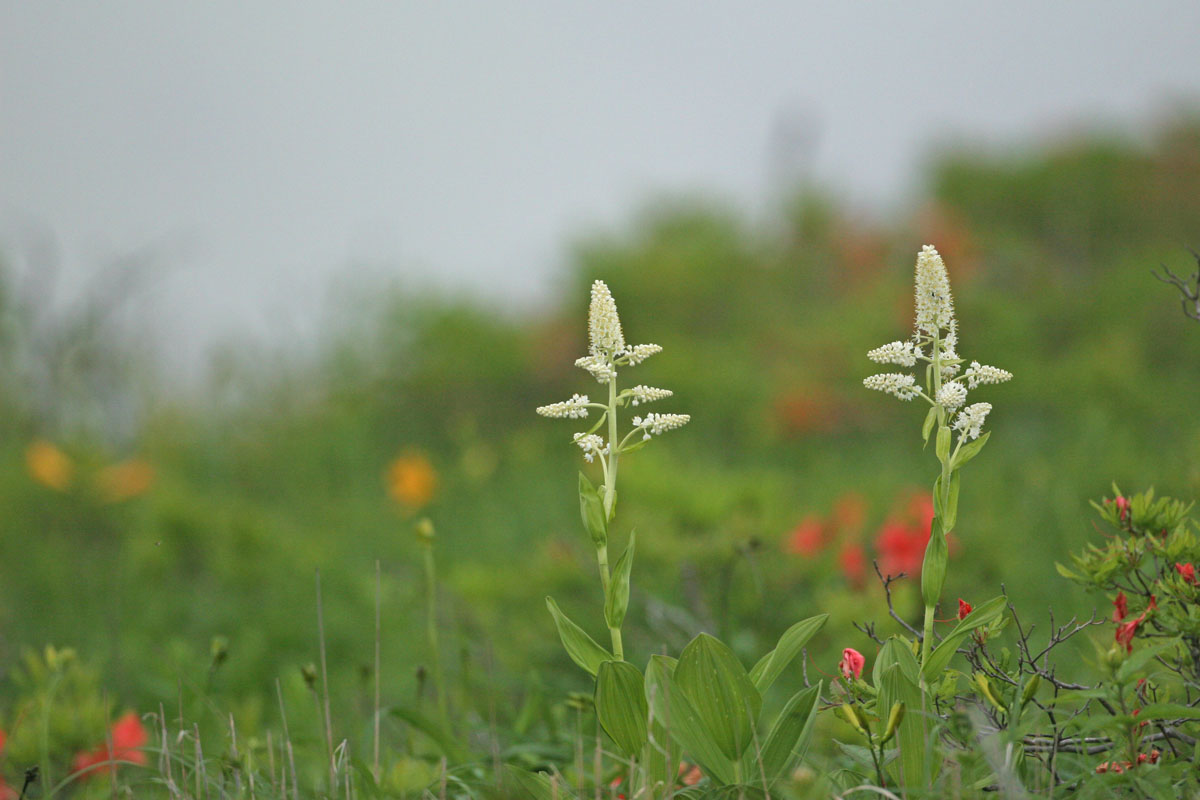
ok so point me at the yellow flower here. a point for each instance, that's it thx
(48, 465)
(411, 480)
(124, 480)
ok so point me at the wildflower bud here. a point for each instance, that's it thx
(1120, 607)
(1187, 572)
(978, 374)
(1122, 507)
(1141, 759)
(952, 395)
(1102, 768)
(1030, 688)
(1154, 756)
(309, 673)
(985, 689)
(423, 528)
(851, 714)
(894, 719)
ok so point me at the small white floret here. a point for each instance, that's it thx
(952, 395)
(978, 374)
(969, 422)
(894, 383)
(902, 353)
(575, 408)
(647, 394)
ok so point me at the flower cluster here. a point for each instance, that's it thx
(935, 341)
(607, 351)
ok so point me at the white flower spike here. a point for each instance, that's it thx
(604, 326)
(575, 408)
(894, 383)
(969, 422)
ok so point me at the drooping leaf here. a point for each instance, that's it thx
(621, 705)
(722, 693)
(772, 665)
(616, 601)
(670, 707)
(933, 566)
(930, 421)
(582, 648)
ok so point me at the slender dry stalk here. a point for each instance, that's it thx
(271, 765)
(287, 737)
(325, 687)
(378, 638)
(233, 752)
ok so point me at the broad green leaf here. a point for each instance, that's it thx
(895, 651)
(591, 508)
(969, 451)
(616, 602)
(670, 706)
(722, 693)
(984, 614)
(661, 760)
(621, 705)
(772, 665)
(897, 687)
(582, 648)
(930, 421)
(445, 741)
(538, 785)
(789, 733)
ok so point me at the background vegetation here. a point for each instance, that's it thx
(174, 544)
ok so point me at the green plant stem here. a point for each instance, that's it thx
(431, 632)
(610, 496)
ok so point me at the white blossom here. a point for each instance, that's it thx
(935, 306)
(604, 326)
(648, 394)
(978, 374)
(902, 353)
(592, 445)
(952, 395)
(575, 408)
(894, 383)
(659, 423)
(600, 367)
(969, 421)
(640, 352)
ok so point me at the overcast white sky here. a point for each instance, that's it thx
(266, 149)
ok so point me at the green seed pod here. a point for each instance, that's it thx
(894, 719)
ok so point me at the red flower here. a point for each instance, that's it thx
(807, 538)
(128, 738)
(964, 608)
(1187, 572)
(853, 563)
(1120, 607)
(901, 548)
(1127, 630)
(852, 663)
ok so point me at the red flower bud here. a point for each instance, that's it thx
(964, 608)
(1122, 507)
(852, 663)
(1187, 572)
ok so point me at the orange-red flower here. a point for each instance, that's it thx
(964, 608)
(901, 548)
(49, 466)
(411, 480)
(1120, 607)
(128, 737)
(853, 563)
(1187, 572)
(125, 480)
(852, 663)
(807, 538)
(1127, 630)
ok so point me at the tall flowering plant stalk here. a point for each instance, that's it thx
(607, 351)
(704, 707)
(959, 426)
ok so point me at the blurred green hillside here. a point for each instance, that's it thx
(228, 504)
